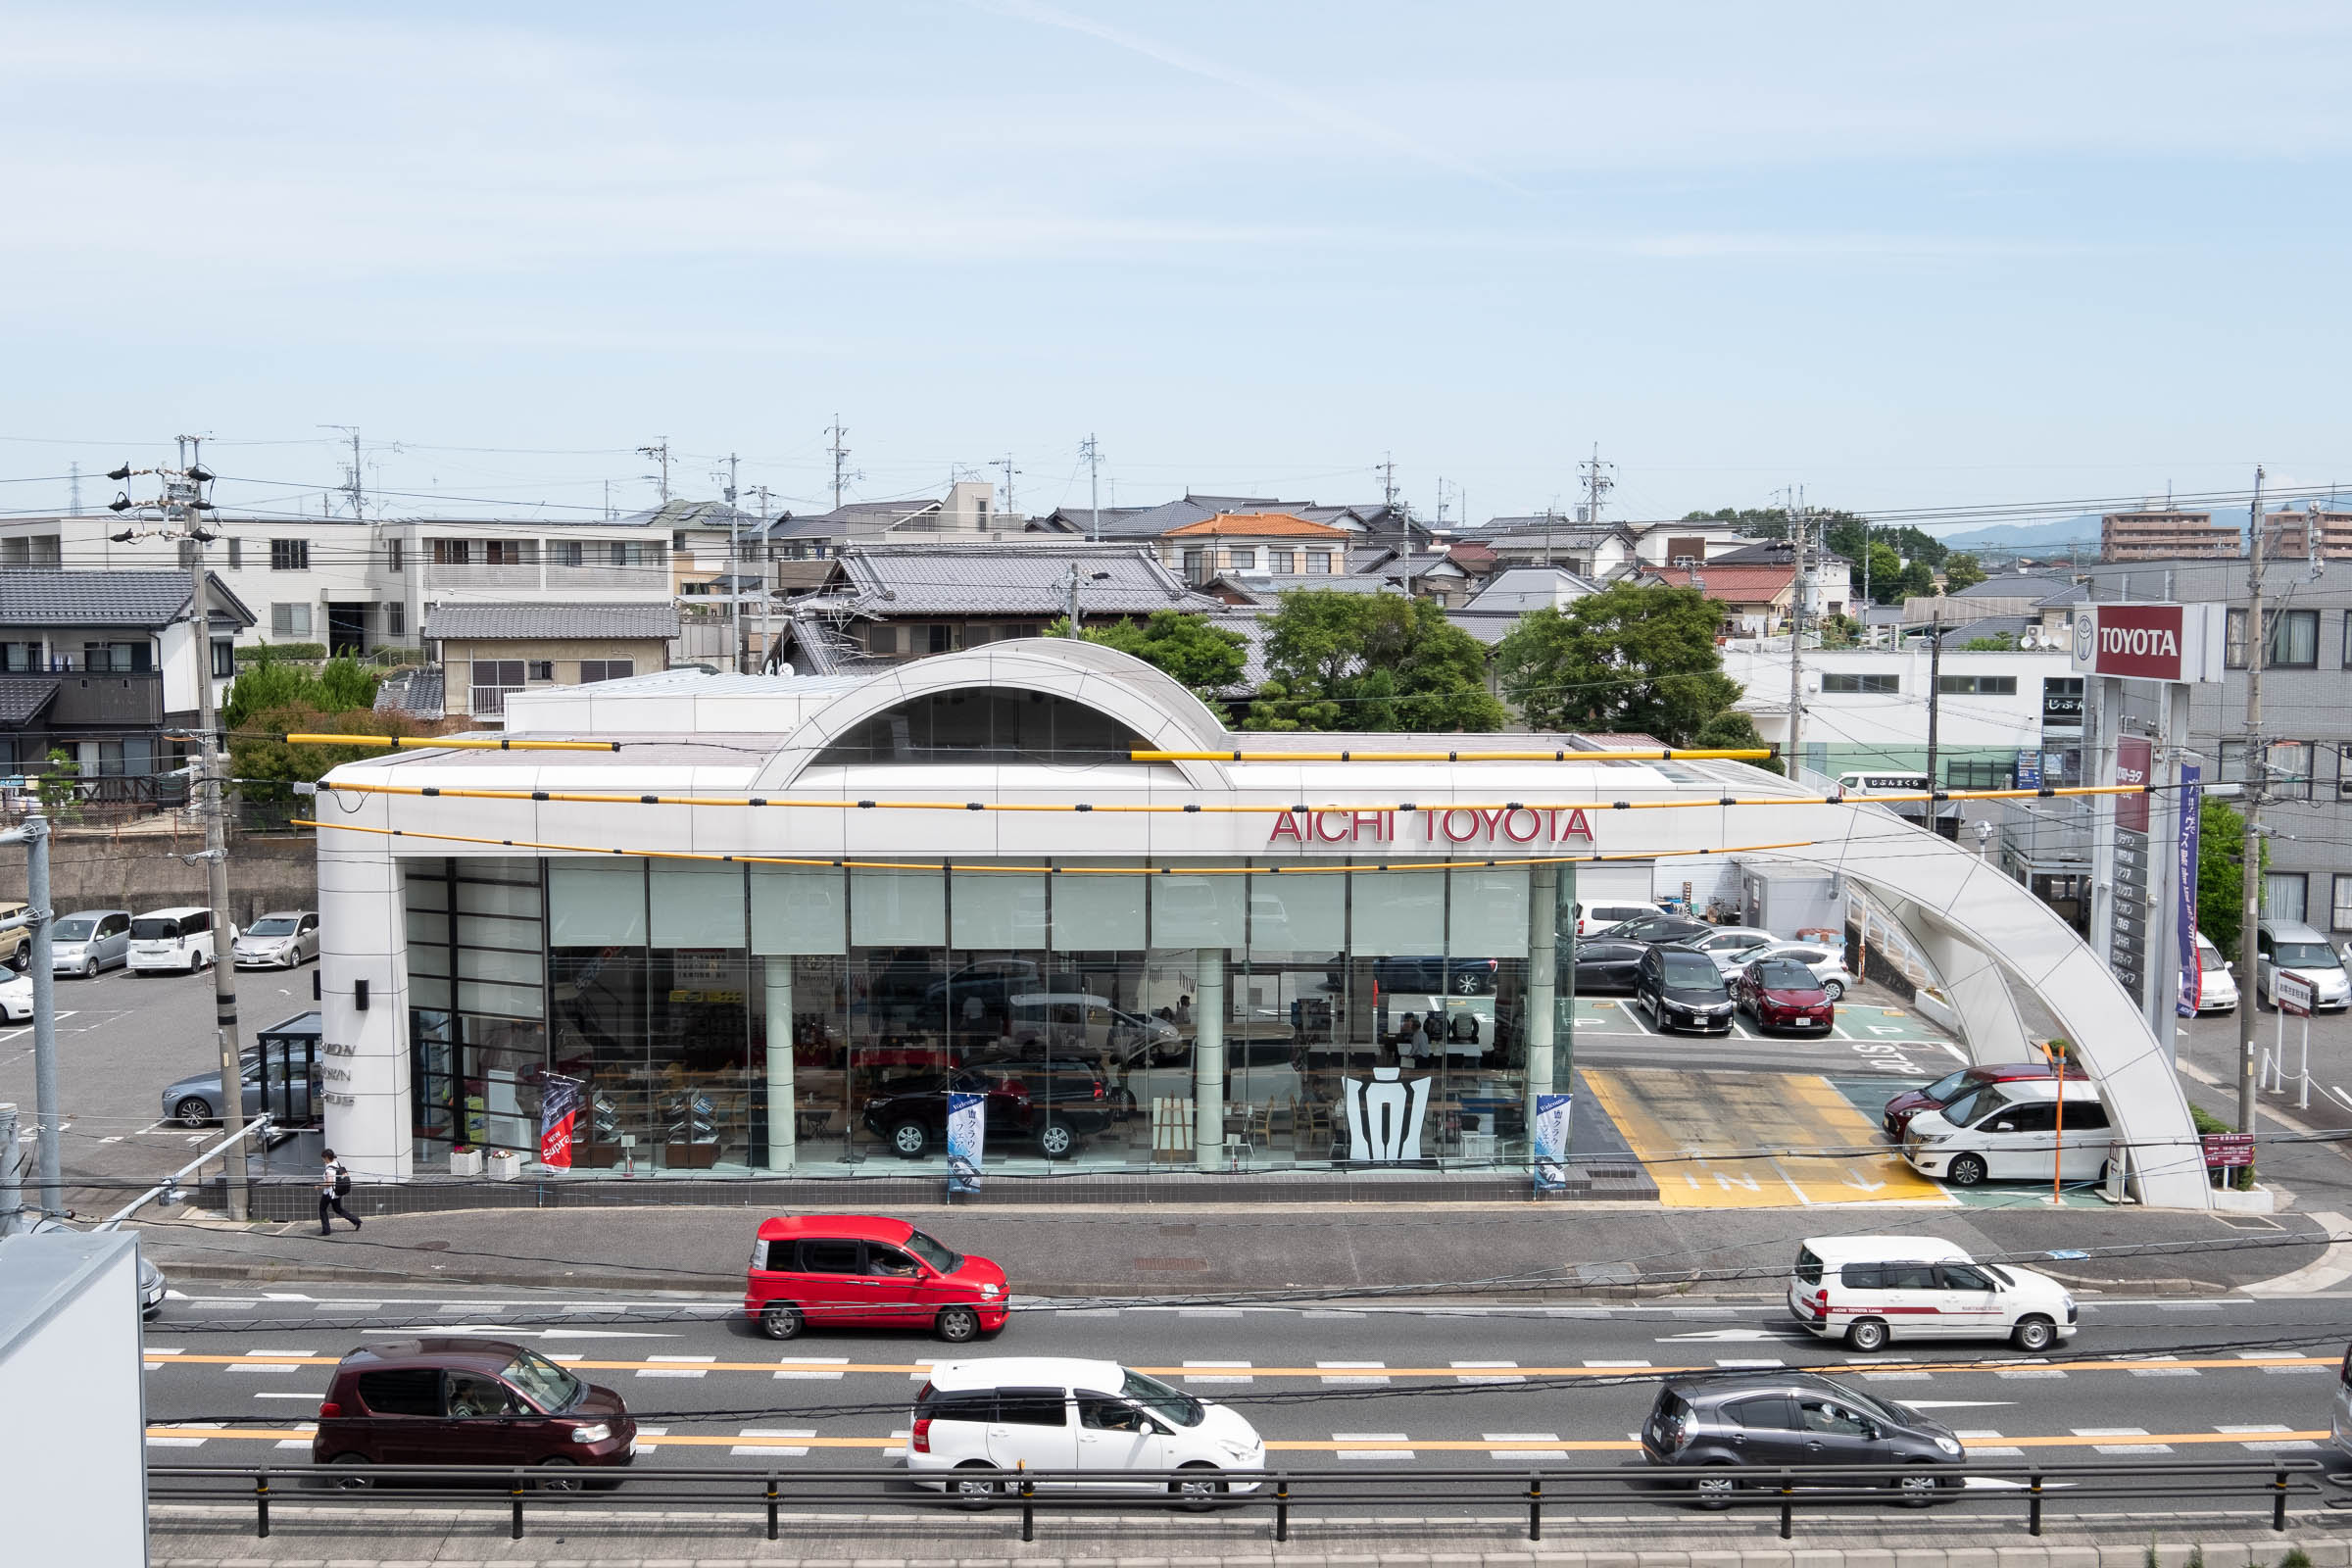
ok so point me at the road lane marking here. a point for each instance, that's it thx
(786, 1442)
(1384, 1445)
(1216, 1372)
(815, 1368)
(1519, 1445)
(1354, 1374)
(2151, 1446)
(1470, 1372)
(677, 1366)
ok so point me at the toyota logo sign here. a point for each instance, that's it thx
(2149, 642)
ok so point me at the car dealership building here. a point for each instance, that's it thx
(766, 926)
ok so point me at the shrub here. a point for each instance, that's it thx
(267, 653)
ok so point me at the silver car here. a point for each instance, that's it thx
(280, 940)
(195, 1100)
(89, 940)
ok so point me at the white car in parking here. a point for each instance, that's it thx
(978, 1425)
(2217, 978)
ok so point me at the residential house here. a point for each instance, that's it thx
(1600, 554)
(966, 512)
(1756, 600)
(1276, 544)
(2033, 611)
(486, 650)
(103, 663)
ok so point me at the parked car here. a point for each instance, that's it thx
(1716, 1423)
(280, 940)
(977, 1424)
(1868, 1290)
(15, 945)
(2012, 1131)
(1608, 964)
(2217, 978)
(1681, 989)
(1592, 917)
(1429, 975)
(180, 939)
(1053, 1103)
(1827, 963)
(195, 1100)
(88, 941)
(1655, 928)
(2292, 945)
(1782, 994)
(452, 1400)
(15, 999)
(1943, 1091)
(1730, 943)
(831, 1270)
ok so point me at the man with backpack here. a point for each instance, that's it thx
(334, 1184)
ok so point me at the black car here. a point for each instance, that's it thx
(1051, 1103)
(1607, 963)
(1653, 928)
(1716, 1423)
(1431, 976)
(1682, 989)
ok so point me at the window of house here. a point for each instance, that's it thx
(395, 619)
(498, 672)
(1282, 563)
(2347, 653)
(2284, 894)
(2294, 639)
(1318, 563)
(944, 638)
(593, 670)
(1196, 565)
(881, 639)
(1868, 685)
(21, 659)
(236, 554)
(224, 659)
(2290, 769)
(1977, 685)
(568, 551)
(453, 552)
(1977, 776)
(2343, 771)
(543, 669)
(2339, 916)
(2234, 640)
(290, 621)
(289, 555)
(392, 554)
(505, 552)
(627, 553)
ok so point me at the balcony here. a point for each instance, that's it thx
(489, 702)
(117, 702)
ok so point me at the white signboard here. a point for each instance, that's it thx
(2292, 993)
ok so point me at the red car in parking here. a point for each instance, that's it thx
(1782, 994)
(863, 1271)
(1943, 1091)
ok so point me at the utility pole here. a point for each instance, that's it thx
(48, 1119)
(1005, 463)
(766, 595)
(354, 486)
(74, 488)
(1094, 489)
(2258, 775)
(841, 455)
(1934, 697)
(1386, 468)
(1597, 483)
(660, 453)
(734, 569)
(1796, 644)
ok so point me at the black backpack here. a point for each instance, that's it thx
(342, 1180)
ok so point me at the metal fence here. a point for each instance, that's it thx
(2027, 1490)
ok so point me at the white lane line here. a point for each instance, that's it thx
(897, 1438)
(1377, 1456)
(175, 1443)
(289, 1295)
(685, 1367)
(2122, 1447)
(778, 1447)
(1524, 1455)
(1208, 1311)
(291, 1443)
(814, 1368)
(1354, 1374)
(1468, 1372)
(1897, 1377)
(282, 1393)
(1627, 1364)
(485, 1309)
(646, 1433)
(2256, 1441)
(1324, 1313)
(2030, 1372)
(1087, 1312)
(1739, 1361)
(2154, 1367)
(1217, 1372)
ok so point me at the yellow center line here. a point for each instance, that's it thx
(1448, 1372)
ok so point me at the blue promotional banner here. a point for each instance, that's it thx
(2184, 1003)
(967, 1130)
(1551, 1142)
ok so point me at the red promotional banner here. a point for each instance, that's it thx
(2135, 760)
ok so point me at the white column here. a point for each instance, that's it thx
(365, 1072)
(783, 1132)
(1543, 943)
(1209, 1059)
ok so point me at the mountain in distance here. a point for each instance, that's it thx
(2082, 530)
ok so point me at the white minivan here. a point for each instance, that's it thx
(2014, 1130)
(1867, 1289)
(179, 940)
(978, 1424)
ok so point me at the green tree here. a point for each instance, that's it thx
(1917, 580)
(1625, 659)
(56, 783)
(1370, 662)
(1886, 574)
(1998, 643)
(1961, 571)
(1732, 730)
(2221, 874)
(1192, 648)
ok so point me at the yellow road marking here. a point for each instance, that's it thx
(1665, 1113)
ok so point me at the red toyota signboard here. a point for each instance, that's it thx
(2149, 642)
(2135, 760)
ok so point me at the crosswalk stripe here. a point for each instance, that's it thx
(1519, 1453)
(1379, 1453)
(677, 1366)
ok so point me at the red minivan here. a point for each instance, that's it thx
(450, 1401)
(866, 1271)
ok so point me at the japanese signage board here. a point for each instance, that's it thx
(2184, 879)
(2149, 642)
(967, 1134)
(2134, 761)
(1551, 1142)
(2293, 993)
(2228, 1150)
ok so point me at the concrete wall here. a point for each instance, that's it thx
(141, 869)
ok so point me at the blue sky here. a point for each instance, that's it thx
(1903, 257)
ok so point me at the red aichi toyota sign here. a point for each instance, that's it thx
(2150, 642)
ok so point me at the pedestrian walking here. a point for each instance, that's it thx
(334, 1184)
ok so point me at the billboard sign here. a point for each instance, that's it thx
(2185, 880)
(2149, 642)
(560, 1101)
(2135, 764)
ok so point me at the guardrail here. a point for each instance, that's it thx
(2266, 1484)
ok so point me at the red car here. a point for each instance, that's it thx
(1943, 1091)
(448, 1400)
(865, 1271)
(1782, 994)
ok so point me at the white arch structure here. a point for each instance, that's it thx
(1979, 930)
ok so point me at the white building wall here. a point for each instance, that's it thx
(74, 1438)
(1964, 719)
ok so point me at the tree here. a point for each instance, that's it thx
(58, 782)
(1961, 571)
(1732, 730)
(1204, 657)
(2000, 642)
(1886, 574)
(1370, 662)
(1625, 659)
(2221, 874)
(1917, 581)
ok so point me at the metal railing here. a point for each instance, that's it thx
(489, 702)
(2265, 1486)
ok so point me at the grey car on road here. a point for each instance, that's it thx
(195, 1100)
(89, 940)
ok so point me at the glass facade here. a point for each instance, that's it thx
(1366, 1017)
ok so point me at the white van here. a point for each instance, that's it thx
(1089, 1423)
(2015, 1130)
(1868, 1290)
(1592, 917)
(173, 939)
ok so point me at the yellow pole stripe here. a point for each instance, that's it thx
(446, 743)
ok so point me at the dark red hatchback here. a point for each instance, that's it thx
(465, 1401)
(1943, 1091)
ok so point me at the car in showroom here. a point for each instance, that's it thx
(1782, 994)
(284, 939)
(867, 1271)
(452, 1400)
(1052, 1103)
(89, 940)
(978, 1425)
(1827, 963)
(1871, 1289)
(2217, 978)
(1682, 989)
(1716, 1424)
(1951, 1086)
(2025, 1130)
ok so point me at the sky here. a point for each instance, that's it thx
(1905, 258)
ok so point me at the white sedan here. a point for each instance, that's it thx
(1827, 963)
(15, 999)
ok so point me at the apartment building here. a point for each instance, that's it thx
(2290, 534)
(2167, 535)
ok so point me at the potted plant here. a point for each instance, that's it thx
(465, 1160)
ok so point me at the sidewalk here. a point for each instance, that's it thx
(1508, 1250)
